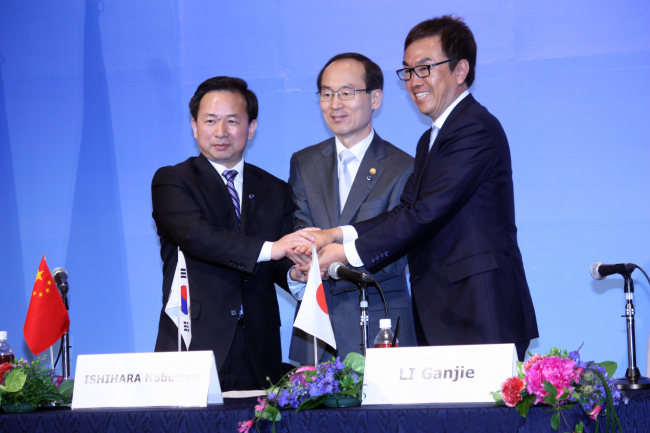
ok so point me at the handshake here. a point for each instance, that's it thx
(297, 247)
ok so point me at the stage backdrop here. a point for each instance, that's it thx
(93, 99)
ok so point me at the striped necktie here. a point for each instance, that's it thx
(230, 178)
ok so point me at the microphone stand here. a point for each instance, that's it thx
(633, 378)
(363, 306)
(65, 353)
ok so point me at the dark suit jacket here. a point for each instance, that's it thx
(315, 186)
(456, 221)
(193, 209)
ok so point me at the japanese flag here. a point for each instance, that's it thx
(178, 304)
(313, 317)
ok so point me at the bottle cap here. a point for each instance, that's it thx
(3, 335)
(384, 323)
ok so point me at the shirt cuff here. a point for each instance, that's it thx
(351, 254)
(349, 234)
(296, 287)
(265, 253)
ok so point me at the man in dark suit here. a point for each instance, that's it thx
(224, 215)
(330, 190)
(456, 219)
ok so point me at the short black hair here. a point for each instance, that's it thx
(456, 39)
(225, 84)
(374, 78)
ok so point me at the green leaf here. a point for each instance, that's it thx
(311, 403)
(524, 405)
(356, 361)
(576, 395)
(15, 380)
(564, 396)
(49, 397)
(550, 388)
(566, 406)
(580, 427)
(550, 400)
(610, 367)
(66, 388)
(520, 370)
(555, 421)
(271, 413)
(498, 399)
(44, 371)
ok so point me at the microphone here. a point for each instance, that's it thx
(599, 270)
(338, 270)
(60, 277)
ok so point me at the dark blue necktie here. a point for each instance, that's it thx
(230, 178)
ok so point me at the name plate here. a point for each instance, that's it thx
(180, 379)
(437, 374)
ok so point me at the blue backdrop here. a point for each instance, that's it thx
(93, 99)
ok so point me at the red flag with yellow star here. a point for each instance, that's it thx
(47, 319)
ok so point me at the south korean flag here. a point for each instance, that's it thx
(178, 304)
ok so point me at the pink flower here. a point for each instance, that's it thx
(261, 406)
(558, 371)
(594, 412)
(299, 375)
(532, 360)
(579, 372)
(511, 391)
(244, 428)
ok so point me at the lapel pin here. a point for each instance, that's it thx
(373, 170)
(369, 177)
(251, 196)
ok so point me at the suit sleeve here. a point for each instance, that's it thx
(466, 157)
(301, 215)
(282, 266)
(181, 221)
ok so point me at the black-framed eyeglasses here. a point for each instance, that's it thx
(345, 93)
(421, 71)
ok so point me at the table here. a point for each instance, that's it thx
(635, 417)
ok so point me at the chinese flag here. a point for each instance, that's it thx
(47, 319)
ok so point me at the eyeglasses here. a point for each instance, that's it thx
(345, 93)
(421, 71)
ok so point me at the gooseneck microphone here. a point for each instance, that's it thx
(338, 270)
(599, 270)
(60, 276)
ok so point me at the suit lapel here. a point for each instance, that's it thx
(216, 188)
(328, 182)
(253, 193)
(424, 161)
(364, 181)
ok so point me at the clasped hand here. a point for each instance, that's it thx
(329, 247)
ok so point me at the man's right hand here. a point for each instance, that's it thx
(293, 240)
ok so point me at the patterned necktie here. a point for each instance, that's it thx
(345, 178)
(230, 177)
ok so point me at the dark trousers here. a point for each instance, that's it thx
(237, 373)
(521, 346)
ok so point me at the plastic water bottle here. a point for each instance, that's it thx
(6, 352)
(385, 336)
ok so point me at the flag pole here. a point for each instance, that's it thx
(315, 351)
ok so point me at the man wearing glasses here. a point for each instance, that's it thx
(456, 220)
(351, 177)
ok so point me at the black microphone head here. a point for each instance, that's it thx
(334, 270)
(60, 275)
(594, 271)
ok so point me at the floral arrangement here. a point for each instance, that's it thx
(559, 380)
(307, 387)
(25, 384)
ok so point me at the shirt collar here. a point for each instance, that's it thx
(359, 149)
(441, 120)
(239, 167)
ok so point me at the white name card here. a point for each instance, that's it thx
(439, 374)
(180, 379)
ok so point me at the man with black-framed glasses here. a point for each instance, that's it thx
(351, 177)
(456, 219)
